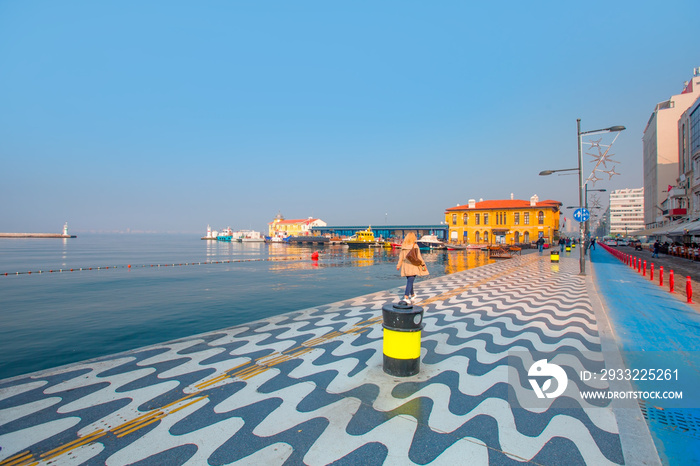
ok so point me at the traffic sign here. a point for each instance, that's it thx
(581, 214)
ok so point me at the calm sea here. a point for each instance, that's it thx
(49, 319)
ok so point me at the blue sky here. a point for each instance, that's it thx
(168, 115)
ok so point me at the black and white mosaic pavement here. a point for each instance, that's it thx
(308, 387)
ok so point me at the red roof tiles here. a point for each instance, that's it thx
(506, 204)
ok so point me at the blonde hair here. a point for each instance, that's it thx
(409, 240)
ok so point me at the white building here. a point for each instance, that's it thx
(689, 157)
(661, 157)
(626, 211)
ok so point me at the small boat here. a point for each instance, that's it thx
(277, 239)
(225, 235)
(250, 236)
(430, 242)
(362, 239)
(456, 247)
(334, 240)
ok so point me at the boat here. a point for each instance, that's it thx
(334, 240)
(430, 242)
(362, 239)
(250, 236)
(225, 235)
(456, 247)
(277, 239)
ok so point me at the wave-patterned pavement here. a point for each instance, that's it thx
(307, 387)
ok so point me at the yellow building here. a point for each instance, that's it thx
(295, 227)
(511, 221)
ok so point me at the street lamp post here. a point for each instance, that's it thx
(588, 232)
(581, 185)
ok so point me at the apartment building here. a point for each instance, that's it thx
(626, 211)
(689, 158)
(664, 201)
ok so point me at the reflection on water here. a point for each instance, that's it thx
(225, 284)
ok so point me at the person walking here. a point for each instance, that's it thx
(562, 243)
(657, 246)
(540, 244)
(592, 244)
(411, 264)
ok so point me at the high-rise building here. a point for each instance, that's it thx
(661, 159)
(626, 211)
(689, 157)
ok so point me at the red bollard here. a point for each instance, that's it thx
(689, 290)
(652, 272)
(639, 266)
(644, 273)
(661, 276)
(670, 281)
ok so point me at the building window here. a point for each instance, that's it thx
(486, 218)
(526, 218)
(454, 219)
(516, 237)
(526, 237)
(516, 218)
(466, 237)
(486, 237)
(476, 235)
(477, 219)
(540, 217)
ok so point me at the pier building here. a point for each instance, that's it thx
(293, 227)
(509, 221)
(384, 231)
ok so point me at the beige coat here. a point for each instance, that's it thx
(408, 269)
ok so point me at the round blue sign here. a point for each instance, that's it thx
(581, 214)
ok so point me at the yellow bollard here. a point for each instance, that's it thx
(402, 336)
(554, 256)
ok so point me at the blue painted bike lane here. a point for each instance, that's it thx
(656, 331)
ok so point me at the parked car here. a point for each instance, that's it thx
(636, 244)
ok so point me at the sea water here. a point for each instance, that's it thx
(145, 289)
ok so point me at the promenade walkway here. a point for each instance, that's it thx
(307, 387)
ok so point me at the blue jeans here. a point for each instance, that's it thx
(561, 247)
(409, 285)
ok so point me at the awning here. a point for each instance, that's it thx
(688, 228)
(676, 229)
(654, 231)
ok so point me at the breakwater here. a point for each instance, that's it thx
(35, 235)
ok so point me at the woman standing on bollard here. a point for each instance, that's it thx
(411, 264)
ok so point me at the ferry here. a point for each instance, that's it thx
(225, 235)
(362, 239)
(430, 242)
